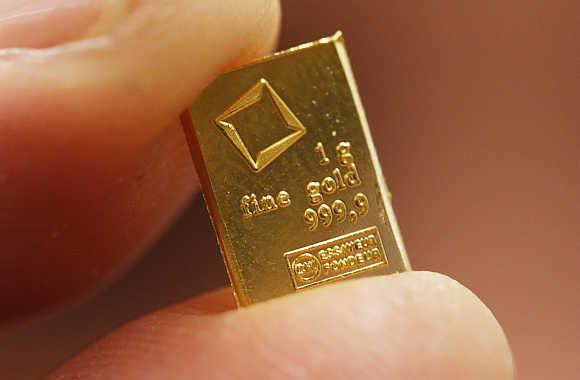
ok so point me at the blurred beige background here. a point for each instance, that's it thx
(475, 109)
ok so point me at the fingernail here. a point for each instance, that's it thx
(45, 23)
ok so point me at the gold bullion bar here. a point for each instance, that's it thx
(290, 174)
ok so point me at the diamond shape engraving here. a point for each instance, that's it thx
(265, 156)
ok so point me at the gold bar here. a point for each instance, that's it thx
(291, 176)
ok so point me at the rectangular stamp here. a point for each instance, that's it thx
(336, 258)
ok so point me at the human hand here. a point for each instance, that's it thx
(93, 164)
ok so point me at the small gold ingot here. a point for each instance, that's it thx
(290, 174)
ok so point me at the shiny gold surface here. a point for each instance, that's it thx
(290, 174)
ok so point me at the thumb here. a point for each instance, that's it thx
(93, 163)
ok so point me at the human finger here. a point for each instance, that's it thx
(415, 325)
(93, 162)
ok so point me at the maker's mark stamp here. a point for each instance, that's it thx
(265, 156)
(336, 258)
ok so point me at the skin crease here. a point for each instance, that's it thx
(94, 165)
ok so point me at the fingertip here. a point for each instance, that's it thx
(416, 325)
(453, 322)
(429, 325)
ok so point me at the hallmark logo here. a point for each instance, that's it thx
(250, 98)
(336, 258)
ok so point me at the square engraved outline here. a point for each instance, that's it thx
(267, 155)
(309, 248)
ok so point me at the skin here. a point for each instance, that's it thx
(93, 166)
